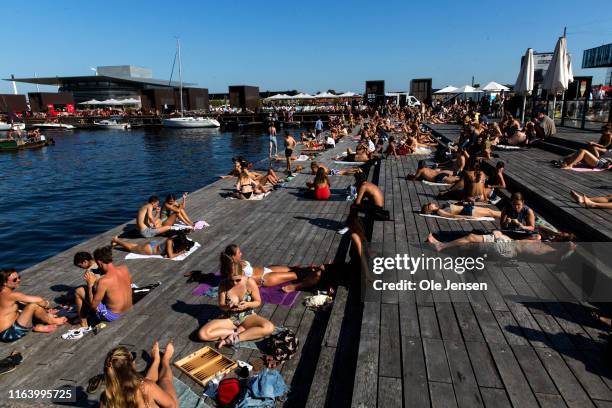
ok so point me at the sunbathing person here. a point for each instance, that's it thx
(18, 311)
(246, 186)
(518, 220)
(433, 175)
(168, 248)
(368, 191)
(604, 144)
(235, 172)
(109, 297)
(391, 149)
(148, 221)
(238, 296)
(320, 186)
(360, 155)
(126, 387)
(497, 180)
(314, 167)
(460, 211)
(585, 158)
(173, 209)
(603, 202)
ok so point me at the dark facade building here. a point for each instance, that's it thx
(243, 96)
(421, 89)
(375, 93)
(167, 100)
(118, 82)
(42, 101)
(13, 103)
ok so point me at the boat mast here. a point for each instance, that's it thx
(180, 67)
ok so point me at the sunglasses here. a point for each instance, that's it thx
(16, 279)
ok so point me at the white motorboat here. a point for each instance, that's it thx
(186, 122)
(4, 127)
(112, 124)
(52, 126)
(190, 122)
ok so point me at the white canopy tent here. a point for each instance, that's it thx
(278, 97)
(524, 81)
(325, 95)
(130, 101)
(494, 87)
(349, 95)
(90, 102)
(466, 89)
(559, 73)
(446, 90)
(302, 95)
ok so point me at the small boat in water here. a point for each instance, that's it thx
(112, 124)
(52, 126)
(12, 145)
(190, 122)
(5, 127)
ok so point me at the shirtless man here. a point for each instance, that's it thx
(148, 221)
(289, 146)
(273, 142)
(433, 175)
(460, 211)
(108, 297)
(375, 198)
(16, 323)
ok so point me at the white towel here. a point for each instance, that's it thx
(422, 150)
(302, 157)
(349, 163)
(181, 257)
(254, 197)
(431, 183)
(507, 147)
(458, 219)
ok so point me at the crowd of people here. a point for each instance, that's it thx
(385, 134)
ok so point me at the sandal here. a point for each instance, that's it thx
(94, 383)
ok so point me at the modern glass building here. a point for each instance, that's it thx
(117, 82)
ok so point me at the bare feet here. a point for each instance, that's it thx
(432, 240)
(587, 201)
(603, 319)
(114, 241)
(168, 352)
(288, 288)
(58, 320)
(155, 351)
(577, 197)
(44, 328)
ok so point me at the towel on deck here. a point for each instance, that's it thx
(432, 183)
(276, 296)
(254, 197)
(507, 147)
(302, 157)
(587, 169)
(181, 257)
(349, 163)
(458, 219)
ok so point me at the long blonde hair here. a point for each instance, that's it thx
(121, 379)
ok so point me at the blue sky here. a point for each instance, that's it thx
(310, 46)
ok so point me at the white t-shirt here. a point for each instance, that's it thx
(371, 146)
(330, 141)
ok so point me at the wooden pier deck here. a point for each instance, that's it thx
(471, 349)
(284, 228)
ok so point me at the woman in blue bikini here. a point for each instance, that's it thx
(167, 248)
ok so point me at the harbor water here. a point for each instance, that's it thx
(94, 180)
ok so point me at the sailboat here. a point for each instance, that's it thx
(187, 121)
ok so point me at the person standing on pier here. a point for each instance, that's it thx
(289, 146)
(109, 297)
(273, 142)
(318, 126)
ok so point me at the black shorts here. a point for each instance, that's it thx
(288, 152)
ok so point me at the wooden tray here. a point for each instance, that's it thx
(205, 364)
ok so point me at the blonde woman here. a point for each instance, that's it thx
(127, 388)
(238, 297)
